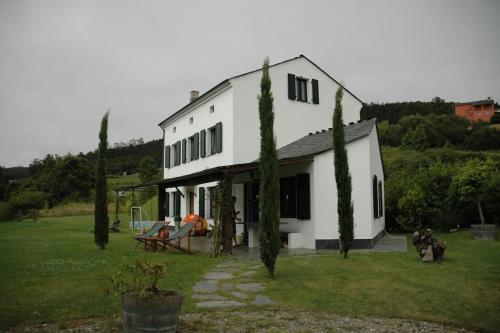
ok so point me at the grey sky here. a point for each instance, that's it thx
(63, 63)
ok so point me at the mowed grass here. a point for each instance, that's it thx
(463, 290)
(53, 272)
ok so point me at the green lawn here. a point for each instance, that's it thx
(53, 271)
(463, 290)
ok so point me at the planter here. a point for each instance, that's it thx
(158, 313)
(483, 231)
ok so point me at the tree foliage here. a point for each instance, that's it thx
(421, 190)
(101, 218)
(415, 139)
(148, 170)
(345, 208)
(472, 182)
(269, 181)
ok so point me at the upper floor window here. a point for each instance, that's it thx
(191, 120)
(301, 90)
(212, 109)
(174, 129)
(297, 89)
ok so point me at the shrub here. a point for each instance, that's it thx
(495, 119)
(415, 139)
(26, 203)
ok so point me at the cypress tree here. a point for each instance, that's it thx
(269, 182)
(101, 219)
(345, 209)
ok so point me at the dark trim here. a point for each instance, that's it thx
(322, 244)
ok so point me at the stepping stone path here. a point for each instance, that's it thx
(230, 284)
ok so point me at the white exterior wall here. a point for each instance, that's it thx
(377, 169)
(293, 119)
(203, 119)
(325, 206)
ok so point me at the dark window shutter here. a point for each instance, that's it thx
(380, 199)
(203, 143)
(218, 137)
(375, 197)
(201, 202)
(196, 153)
(167, 157)
(167, 204)
(315, 91)
(291, 87)
(303, 197)
(184, 150)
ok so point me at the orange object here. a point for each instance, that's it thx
(164, 234)
(200, 224)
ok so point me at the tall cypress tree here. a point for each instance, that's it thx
(101, 219)
(269, 182)
(345, 208)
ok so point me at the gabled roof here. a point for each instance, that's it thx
(319, 142)
(227, 82)
(481, 102)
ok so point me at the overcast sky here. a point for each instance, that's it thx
(64, 63)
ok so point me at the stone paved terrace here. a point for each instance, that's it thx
(388, 243)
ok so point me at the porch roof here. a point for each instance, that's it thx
(214, 174)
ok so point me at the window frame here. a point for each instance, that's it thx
(301, 83)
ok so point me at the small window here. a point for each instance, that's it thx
(212, 109)
(301, 89)
(174, 129)
(191, 120)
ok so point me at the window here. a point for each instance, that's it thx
(301, 89)
(174, 129)
(184, 148)
(201, 202)
(191, 120)
(177, 153)
(167, 157)
(213, 146)
(191, 148)
(212, 109)
(288, 197)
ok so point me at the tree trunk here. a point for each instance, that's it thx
(227, 214)
(481, 216)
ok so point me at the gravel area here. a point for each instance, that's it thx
(291, 321)
(259, 321)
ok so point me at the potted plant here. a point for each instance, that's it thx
(145, 307)
(472, 182)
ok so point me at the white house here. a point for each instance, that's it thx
(218, 132)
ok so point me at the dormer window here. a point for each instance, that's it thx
(301, 89)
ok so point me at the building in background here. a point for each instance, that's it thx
(477, 110)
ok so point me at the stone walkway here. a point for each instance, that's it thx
(230, 284)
